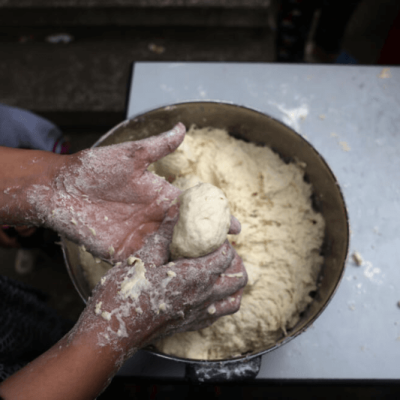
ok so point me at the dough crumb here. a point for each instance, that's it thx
(97, 310)
(237, 275)
(344, 146)
(357, 258)
(106, 315)
(131, 260)
(171, 274)
(93, 231)
(111, 250)
(322, 116)
(135, 282)
(385, 73)
(105, 218)
(162, 307)
(211, 310)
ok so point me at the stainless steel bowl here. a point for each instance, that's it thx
(253, 126)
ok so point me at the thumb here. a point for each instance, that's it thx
(161, 145)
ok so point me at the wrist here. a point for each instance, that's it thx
(24, 172)
(41, 188)
(118, 329)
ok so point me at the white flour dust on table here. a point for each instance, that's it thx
(279, 243)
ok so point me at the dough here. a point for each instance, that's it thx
(93, 270)
(279, 243)
(177, 163)
(204, 221)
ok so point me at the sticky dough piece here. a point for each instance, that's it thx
(204, 221)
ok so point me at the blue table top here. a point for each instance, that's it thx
(350, 114)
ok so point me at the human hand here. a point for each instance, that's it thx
(137, 304)
(106, 199)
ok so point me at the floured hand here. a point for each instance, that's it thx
(136, 304)
(106, 199)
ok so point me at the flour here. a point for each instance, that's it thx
(279, 243)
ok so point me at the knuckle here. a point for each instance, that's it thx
(236, 307)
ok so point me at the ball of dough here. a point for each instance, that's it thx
(204, 221)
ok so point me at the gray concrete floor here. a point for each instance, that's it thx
(50, 277)
(91, 72)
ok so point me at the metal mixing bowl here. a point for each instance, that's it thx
(248, 125)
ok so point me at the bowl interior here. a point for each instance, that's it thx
(253, 126)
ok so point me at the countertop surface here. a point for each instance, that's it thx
(350, 114)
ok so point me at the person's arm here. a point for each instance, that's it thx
(69, 370)
(171, 298)
(21, 170)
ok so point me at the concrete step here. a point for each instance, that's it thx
(133, 3)
(90, 74)
(138, 16)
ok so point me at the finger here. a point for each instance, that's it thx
(7, 242)
(214, 263)
(156, 247)
(231, 280)
(229, 305)
(161, 145)
(235, 227)
(198, 325)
